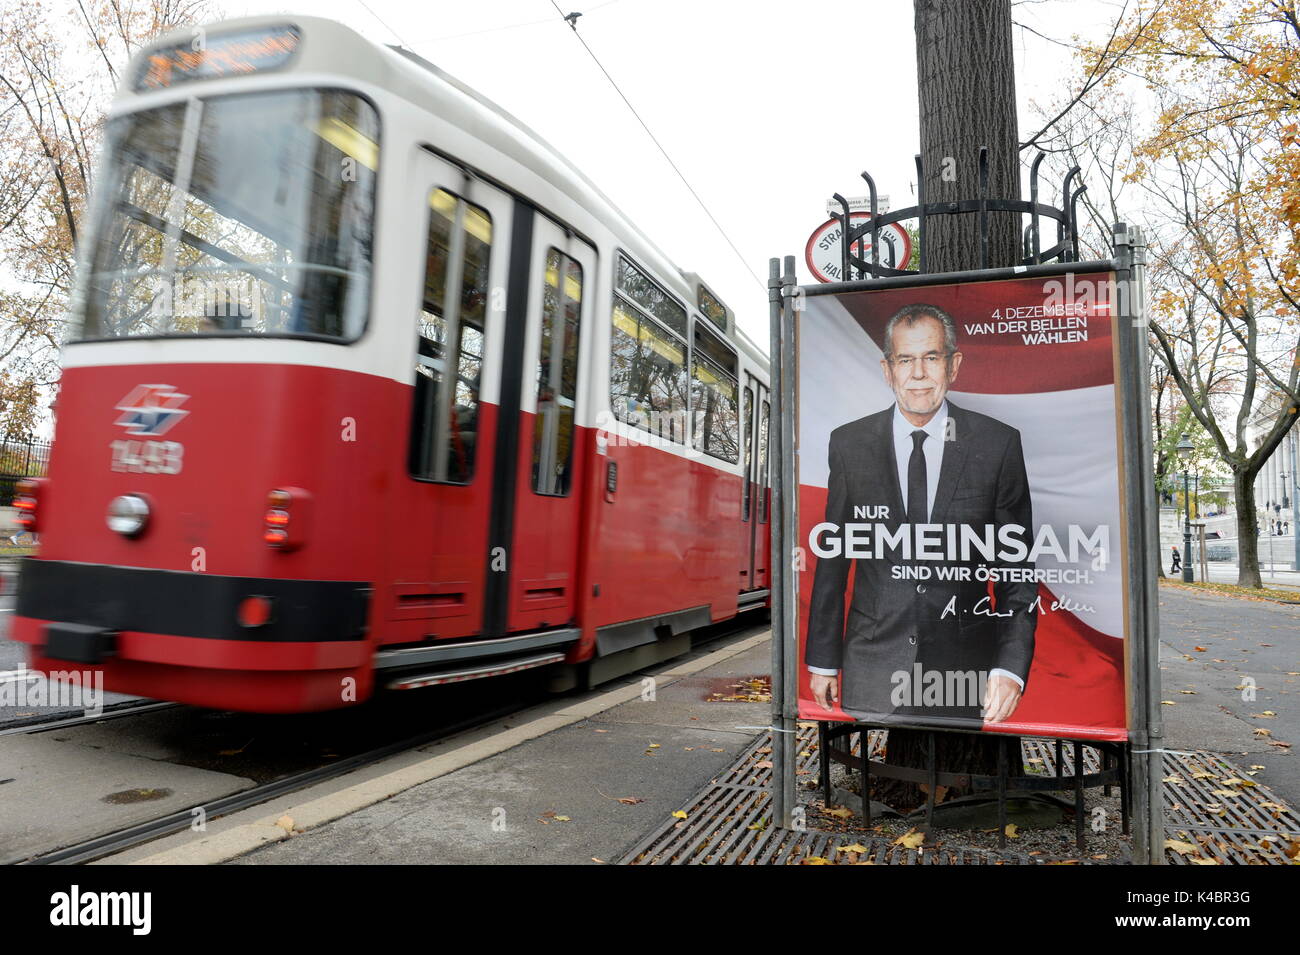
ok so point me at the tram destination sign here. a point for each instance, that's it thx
(210, 57)
(960, 507)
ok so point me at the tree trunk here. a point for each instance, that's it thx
(1243, 490)
(967, 91)
(966, 88)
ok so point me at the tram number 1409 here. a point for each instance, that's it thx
(148, 457)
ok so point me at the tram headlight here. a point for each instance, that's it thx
(128, 515)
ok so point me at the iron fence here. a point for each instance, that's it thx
(20, 458)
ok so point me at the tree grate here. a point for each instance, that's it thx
(728, 821)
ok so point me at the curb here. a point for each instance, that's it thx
(1192, 588)
(242, 839)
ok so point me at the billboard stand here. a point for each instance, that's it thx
(835, 745)
(1146, 731)
(1113, 295)
(782, 289)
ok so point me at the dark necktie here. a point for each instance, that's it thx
(917, 490)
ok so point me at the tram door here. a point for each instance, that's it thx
(763, 484)
(756, 407)
(461, 243)
(550, 463)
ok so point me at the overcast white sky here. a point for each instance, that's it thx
(751, 100)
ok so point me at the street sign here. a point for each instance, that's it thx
(825, 261)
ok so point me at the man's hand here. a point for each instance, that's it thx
(1001, 697)
(826, 690)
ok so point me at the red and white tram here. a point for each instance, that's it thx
(367, 385)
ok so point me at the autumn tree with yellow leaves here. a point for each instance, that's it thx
(59, 65)
(1189, 115)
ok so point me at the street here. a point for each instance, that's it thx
(1211, 648)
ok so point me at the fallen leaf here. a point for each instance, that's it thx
(1182, 848)
(856, 847)
(630, 800)
(1013, 831)
(285, 822)
(815, 860)
(910, 839)
(679, 814)
(840, 812)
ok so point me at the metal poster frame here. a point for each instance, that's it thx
(1138, 520)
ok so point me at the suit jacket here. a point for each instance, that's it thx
(894, 624)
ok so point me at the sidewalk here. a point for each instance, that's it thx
(1279, 575)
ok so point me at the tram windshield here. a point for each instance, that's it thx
(247, 214)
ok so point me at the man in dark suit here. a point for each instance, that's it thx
(923, 461)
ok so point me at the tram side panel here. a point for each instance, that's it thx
(168, 600)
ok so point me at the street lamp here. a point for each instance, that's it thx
(1295, 503)
(1185, 449)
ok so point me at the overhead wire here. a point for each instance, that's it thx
(571, 20)
(655, 139)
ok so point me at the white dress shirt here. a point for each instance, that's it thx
(932, 447)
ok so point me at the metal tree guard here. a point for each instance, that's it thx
(855, 267)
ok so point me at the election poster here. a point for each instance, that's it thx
(959, 471)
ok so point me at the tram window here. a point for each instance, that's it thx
(713, 397)
(557, 375)
(243, 214)
(747, 413)
(647, 373)
(639, 288)
(712, 309)
(764, 477)
(445, 419)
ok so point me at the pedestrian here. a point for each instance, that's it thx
(1177, 562)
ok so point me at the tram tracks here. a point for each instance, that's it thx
(119, 840)
(127, 838)
(44, 724)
